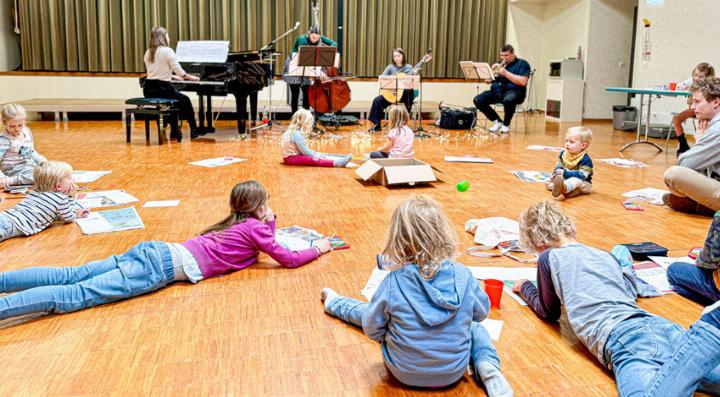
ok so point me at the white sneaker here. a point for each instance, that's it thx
(504, 129)
(328, 295)
(495, 126)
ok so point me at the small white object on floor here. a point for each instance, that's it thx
(161, 203)
(650, 194)
(545, 148)
(218, 161)
(624, 163)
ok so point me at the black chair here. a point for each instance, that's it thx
(163, 110)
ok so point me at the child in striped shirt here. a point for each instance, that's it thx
(17, 150)
(50, 201)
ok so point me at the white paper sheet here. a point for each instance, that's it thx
(105, 198)
(489, 232)
(110, 221)
(545, 148)
(503, 273)
(493, 327)
(468, 159)
(625, 163)
(532, 176)
(161, 203)
(376, 278)
(218, 161)
(653, 274)
(88, 176)
(650, 194)
(665, 261)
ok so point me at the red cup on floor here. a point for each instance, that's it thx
(673, 86)
(494, 289)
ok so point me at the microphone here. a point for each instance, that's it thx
(297, 24)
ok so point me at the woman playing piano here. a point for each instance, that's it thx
(295, 83)
(398, 65)
(162, 66)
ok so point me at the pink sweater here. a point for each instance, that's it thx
(238, 247)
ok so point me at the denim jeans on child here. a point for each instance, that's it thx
(8, 229)
(146, 267)
(693, 282)
(652, 356)
(481, 348)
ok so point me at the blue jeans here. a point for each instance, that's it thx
(146, 267)
(351, 311)
(694, 283)
(379, 155)
(652, 356)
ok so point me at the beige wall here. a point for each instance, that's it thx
(9, 50)
(683, 34)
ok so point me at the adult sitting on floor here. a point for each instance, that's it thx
(694, 182)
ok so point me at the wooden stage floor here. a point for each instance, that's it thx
(262, 330)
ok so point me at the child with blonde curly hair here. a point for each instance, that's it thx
(426, 312)
(649, 355)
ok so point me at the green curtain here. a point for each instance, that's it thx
(111, 35)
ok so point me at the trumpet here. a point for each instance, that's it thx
(497, 67)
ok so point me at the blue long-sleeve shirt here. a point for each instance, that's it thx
(583, 170)
(293, 144)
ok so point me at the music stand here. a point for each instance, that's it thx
(312, 59)
(480, 71)
(395, 83)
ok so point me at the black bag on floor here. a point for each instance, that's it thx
(457, 118)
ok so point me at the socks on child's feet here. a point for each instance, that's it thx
(495, 383)
(328, 295)
(342, 162)
(711, 315)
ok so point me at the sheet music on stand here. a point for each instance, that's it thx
(477, 70)
(394, 82)
(303, 63)
(202, 51)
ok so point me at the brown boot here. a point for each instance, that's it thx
(558, 186)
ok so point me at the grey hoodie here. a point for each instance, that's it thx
(424, 325)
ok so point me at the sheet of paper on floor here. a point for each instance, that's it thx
(161, 203)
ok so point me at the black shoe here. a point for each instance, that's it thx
(682, 149)
(176, 135)
(375, 127)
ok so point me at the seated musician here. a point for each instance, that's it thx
(508, 88)
(398, 65)
(162, 66)
(296, 83)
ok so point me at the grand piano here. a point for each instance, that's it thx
(243, 75)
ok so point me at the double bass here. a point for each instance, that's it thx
(331, 94)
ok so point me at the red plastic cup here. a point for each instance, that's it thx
(494, 289)
(673, 86)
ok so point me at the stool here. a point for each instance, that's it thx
(156, 107)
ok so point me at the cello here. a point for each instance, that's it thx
(331, 94)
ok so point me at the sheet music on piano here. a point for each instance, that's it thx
(202, 51)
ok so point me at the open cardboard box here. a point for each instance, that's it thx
(396, 171)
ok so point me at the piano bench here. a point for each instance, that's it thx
(158, 108)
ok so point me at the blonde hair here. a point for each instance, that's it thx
(49, 173)
(302, 120)
(12, 111)
(420, 233)
(584, 133)
(246, 198)
(542, 225)
(398, 116)
(158, 38)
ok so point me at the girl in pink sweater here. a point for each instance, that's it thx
(231, 244)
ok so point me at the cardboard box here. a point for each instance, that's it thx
(396, 171)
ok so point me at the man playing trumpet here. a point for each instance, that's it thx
(508, 88)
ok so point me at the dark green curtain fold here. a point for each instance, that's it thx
(111, 35)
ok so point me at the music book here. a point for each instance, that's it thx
(110, 221)
(202, 51)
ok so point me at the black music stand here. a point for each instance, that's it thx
(481, 72)
(312, 58)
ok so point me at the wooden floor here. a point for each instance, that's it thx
(262, 330)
